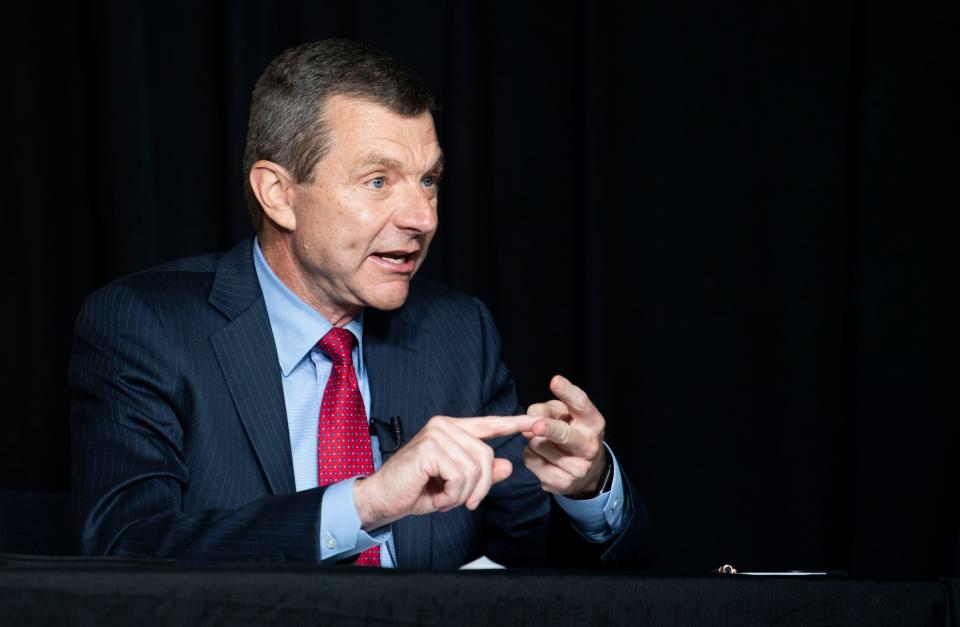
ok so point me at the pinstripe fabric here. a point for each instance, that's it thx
(179, 437)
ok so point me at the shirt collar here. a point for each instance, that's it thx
(297, 327)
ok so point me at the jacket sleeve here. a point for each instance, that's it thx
(129, 464)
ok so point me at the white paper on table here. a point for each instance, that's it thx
(787, 573)
(483, 563)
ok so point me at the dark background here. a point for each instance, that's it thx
(733, 224)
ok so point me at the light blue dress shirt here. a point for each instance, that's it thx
(297, 328)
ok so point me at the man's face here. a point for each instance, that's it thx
(363, 226)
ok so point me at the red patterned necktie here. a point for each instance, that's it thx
(343, 439)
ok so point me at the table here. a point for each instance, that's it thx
(74, 591)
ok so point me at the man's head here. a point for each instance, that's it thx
(342, 164)
(287, 125)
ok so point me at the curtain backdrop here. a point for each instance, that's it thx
(733, 224)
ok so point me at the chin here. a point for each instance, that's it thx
(389, 297)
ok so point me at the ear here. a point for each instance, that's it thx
(273, 187)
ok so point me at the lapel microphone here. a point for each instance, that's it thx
(392, 427)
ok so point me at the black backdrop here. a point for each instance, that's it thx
(732, 223)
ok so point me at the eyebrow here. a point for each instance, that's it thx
(376, 158)
(437, 166)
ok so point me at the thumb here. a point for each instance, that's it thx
(502, 468)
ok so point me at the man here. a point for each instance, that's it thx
(221, 403)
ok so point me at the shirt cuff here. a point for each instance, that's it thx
(600, 518)
(340, 532)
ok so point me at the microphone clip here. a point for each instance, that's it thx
(391, 428)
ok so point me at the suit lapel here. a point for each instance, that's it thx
(396, 353)
(247, 354)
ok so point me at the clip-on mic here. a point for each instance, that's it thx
(392, 429)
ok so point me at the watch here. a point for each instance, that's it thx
(607, 482)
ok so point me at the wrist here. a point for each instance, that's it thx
(602, 483)
(362, 501)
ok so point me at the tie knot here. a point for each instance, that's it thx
(338, 345)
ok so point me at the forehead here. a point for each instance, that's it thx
(359, 128)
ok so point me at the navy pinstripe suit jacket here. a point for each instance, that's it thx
(179, 437)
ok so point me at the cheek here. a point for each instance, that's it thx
(359, 221)
(429, 238)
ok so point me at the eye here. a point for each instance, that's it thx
(378, 182)
(429, 181)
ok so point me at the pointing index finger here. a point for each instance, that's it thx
(487, 427)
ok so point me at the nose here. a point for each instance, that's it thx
(418, 211)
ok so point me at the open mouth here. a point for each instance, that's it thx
(394, 258)
(397, 260)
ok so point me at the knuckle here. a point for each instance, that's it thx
(427, 445)
(456, 477)
(439, 420)
(601, 423)
(471, 469)
(486, 453)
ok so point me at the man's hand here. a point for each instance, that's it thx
(445, 465)
(566, 449)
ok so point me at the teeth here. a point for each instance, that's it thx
(394, 260)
